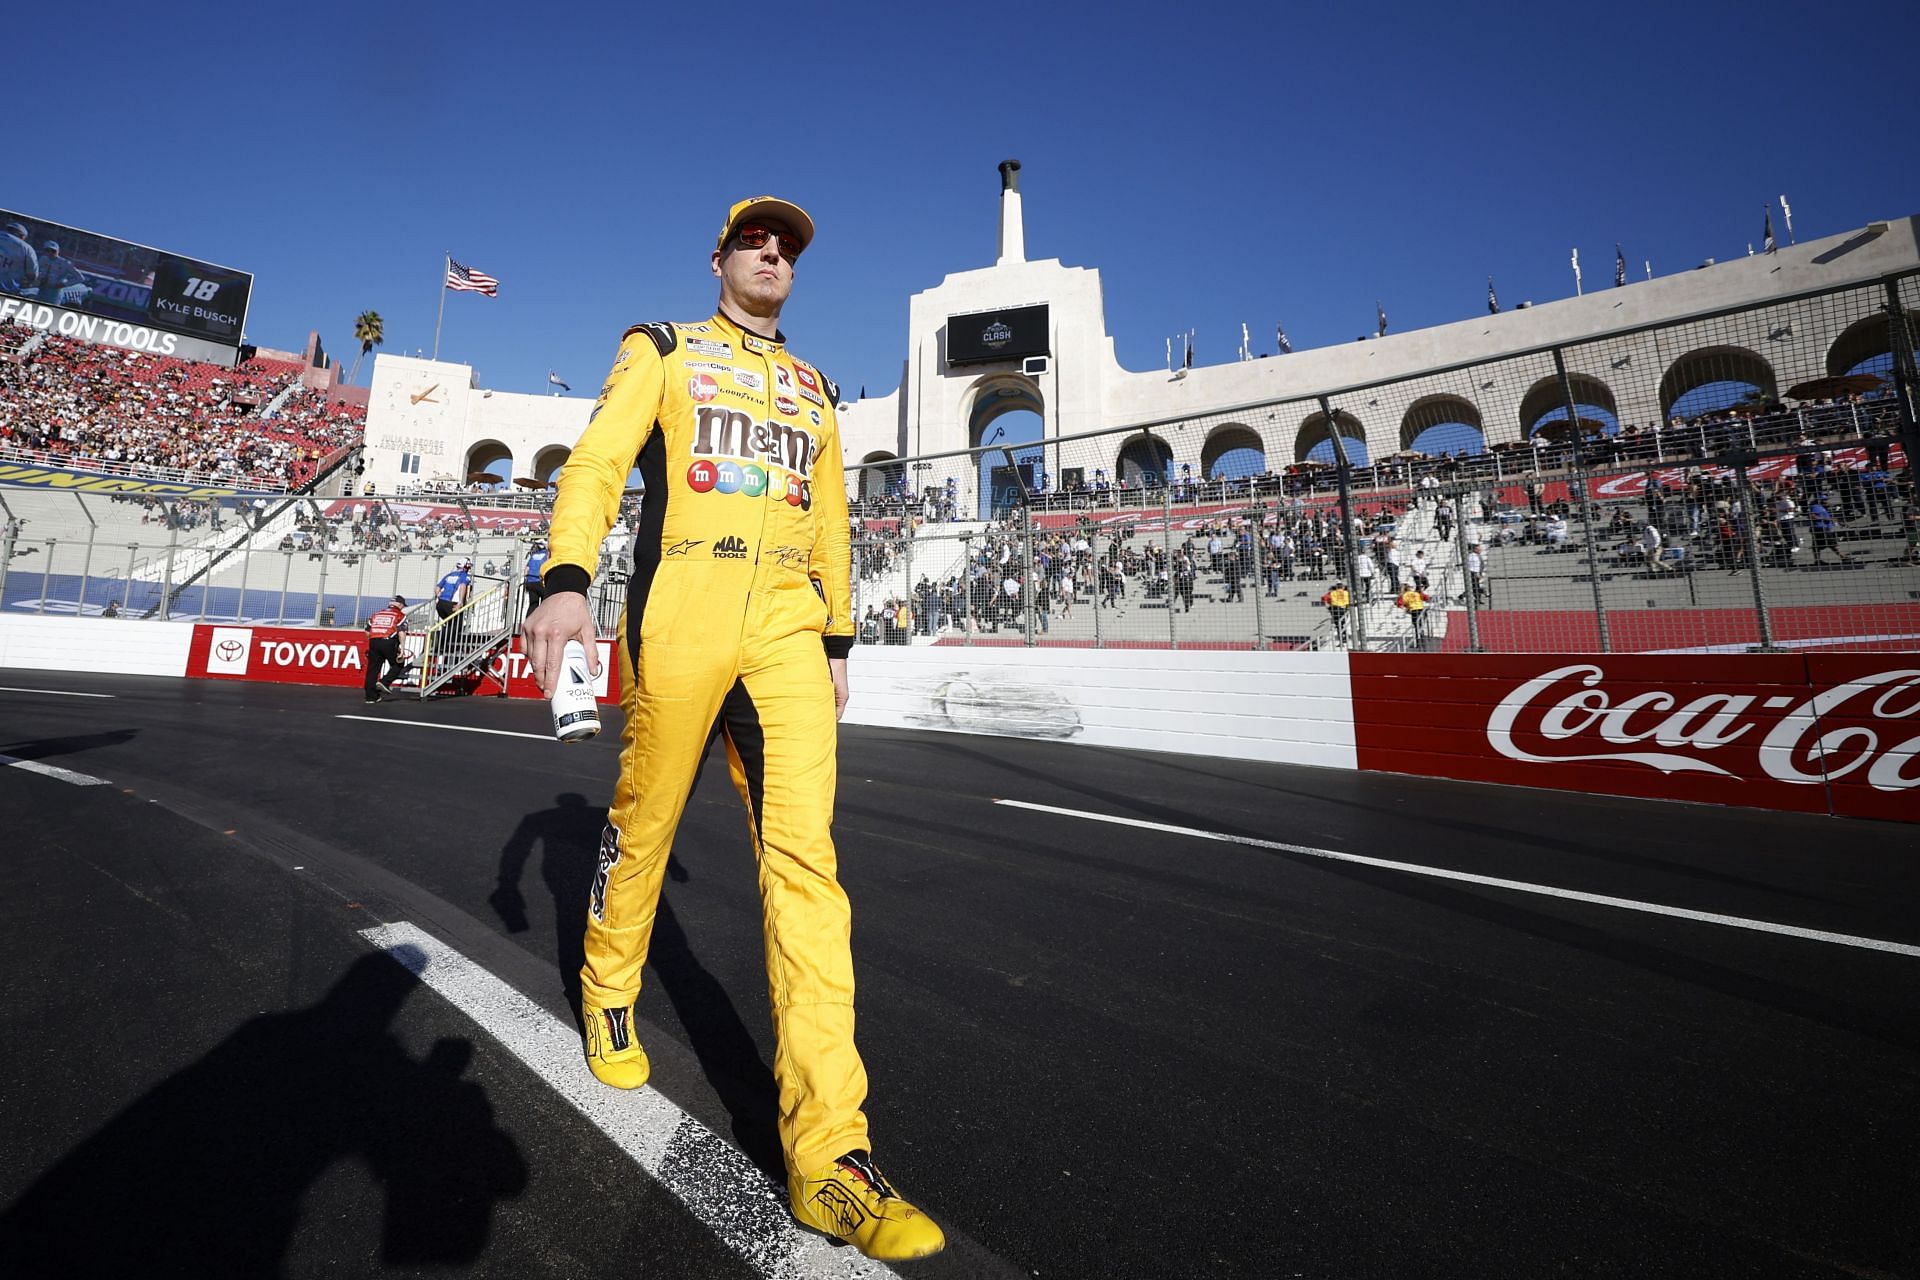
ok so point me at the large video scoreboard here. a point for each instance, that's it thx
(100, 289)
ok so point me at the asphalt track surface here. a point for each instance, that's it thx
(1096, 1050)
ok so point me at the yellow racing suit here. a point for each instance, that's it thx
(739, 594)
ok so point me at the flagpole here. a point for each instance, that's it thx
(445, 261)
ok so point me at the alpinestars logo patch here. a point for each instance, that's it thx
(609, 855)
(730, 548)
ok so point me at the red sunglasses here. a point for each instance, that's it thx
(754, 236)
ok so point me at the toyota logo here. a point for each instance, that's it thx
(229, 650)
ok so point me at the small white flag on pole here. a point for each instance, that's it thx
(1786, 212)
(1576, 271)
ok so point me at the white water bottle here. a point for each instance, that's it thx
(576, 716)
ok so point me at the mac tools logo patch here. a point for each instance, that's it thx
(228, 651)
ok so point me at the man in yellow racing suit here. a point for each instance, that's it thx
(739, 617)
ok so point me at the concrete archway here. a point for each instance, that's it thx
(1866, 346)
(547, 463)
(1143, 459)
(880, 474)
(1315, 441)
(1545, 402)
(1725, 376)
(1440, 424)
(490, 456)
(1232, 451)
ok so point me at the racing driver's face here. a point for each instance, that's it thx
(756, 281)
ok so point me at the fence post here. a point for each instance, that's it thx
(86, 571)
(1029, 590)
(1093, 603)
(1461, 550)
(1906, 377)
(166, 587)
(1586, 502)
(126, 589)
(1760, 613)
(320, 590)
(1346, 549)
(7, 538)
(1166, 550)
(46, 575)
(1258, 539)
(246, 567)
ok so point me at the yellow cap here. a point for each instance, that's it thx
(767, 206)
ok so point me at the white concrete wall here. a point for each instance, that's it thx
(116, 647)
(1293, 708)
(433, 408)
(1087, 390)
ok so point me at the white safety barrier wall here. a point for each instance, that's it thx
(129, 647)
(1291, 708)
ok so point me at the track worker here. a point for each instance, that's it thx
(739, 616)
(383, 647)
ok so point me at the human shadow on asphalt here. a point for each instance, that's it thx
(47, 748)
(206, 1174)
(568, 836)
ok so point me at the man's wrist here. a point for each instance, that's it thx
(566, 577)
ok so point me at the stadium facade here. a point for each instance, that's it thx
(1032, 335)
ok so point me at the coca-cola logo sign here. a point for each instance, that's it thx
(1572, 705)
(1816, 732)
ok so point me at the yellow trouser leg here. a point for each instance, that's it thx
(670, 704)
(781, 746)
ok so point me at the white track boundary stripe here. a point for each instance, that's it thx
(54, 771)
(1494, 882)
(57, 693)
(457, 728)
(719, 1186)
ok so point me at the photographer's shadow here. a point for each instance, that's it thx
(206, 1174)
(568, 836)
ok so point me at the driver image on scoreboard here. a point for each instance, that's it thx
(19, 265)
(59, 278)
(738, 624)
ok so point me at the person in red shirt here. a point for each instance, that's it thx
(383, 647)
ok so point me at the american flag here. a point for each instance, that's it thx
(467, 280)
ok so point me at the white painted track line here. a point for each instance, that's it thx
(717, 1184)
(52, 771)
(457, 728)
(57, 693)
(1493, 882)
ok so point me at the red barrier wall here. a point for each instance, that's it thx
(1817, 733)
(338, 656)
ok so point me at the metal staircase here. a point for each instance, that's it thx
(461, 645)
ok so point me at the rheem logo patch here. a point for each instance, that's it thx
(702, 388)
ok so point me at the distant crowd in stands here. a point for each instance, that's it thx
(1772, 427)
(83, 404)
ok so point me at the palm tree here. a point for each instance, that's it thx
(369, 330)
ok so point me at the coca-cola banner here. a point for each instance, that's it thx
(1867, 709)
(1817, 733)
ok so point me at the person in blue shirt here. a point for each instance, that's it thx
(451, 592)
(1826, 530)
(532, 588)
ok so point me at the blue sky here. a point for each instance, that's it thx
(1219, 164)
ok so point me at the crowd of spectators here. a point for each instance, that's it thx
(77, 403)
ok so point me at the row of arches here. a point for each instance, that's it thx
(491, 457)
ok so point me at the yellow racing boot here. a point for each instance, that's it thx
(850, 1201)
(613, 1055)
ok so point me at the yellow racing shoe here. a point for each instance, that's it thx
(613, 1055)
(850, 1201)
